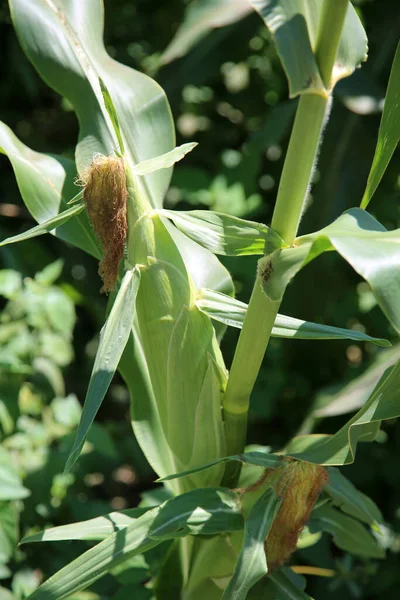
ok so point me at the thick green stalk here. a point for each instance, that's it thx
(296, 177)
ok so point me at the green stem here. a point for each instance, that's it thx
(330, 30)
(296, 177)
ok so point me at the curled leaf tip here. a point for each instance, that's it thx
(105, 197)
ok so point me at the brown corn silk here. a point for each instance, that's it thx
(298, 484)
(105, 196)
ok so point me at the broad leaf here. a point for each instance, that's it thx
(258, 459)
(363, 242)
(224, 234)
(165, 160)
(252, 563)
(340, 448)
(64, 41)
(294, 25)
(113, 339)
(203, 511)
(348, 534)
(11, 487)
(389, 131)
(46, 186)
(350, 500)
(199, 19)
(45, 227)
(281, 585)
(232, 312)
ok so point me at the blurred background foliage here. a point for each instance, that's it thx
(229, 94)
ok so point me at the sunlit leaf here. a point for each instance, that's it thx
(165, 160)
(224, 234)
(389, 131)
(232, 312)
(113, 339)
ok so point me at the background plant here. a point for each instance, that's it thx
(251, 270)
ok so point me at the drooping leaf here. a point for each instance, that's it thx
(224, 234)
(113, 339)
(45, 227)
(207, 510)
(199, 19)
(350, 500)
(348, 534)
(46, 184)
(294, 25)
(363, 242)
(232, 312)
(355, 394)
(259, 459)
(252, 563)
(64, 41)
(389, 131)
(165, 160)
(340, 448)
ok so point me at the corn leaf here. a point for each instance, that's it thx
(350, 500)
(224, 234)
(348, 534)
(45, 227)
(281, 585)
(46, 184)
(165, 160)
(112, 113)
(232, 312)
(113, 339)
(294, 25)
(203, 511)
(252, 564)
(389, 131)
(340, 448)
(363, 242)
(91, 530)
(199, 19)
(258, 459)
(64, 41)
(355, 394)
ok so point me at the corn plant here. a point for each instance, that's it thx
(232, 519)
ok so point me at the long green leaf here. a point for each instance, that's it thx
(258, 459)
(232, 312)
(46, 184)
(113, 339)
(389, 131)
(294, 25)
(208, 511)
(363, 242)
(252, 563)
(340, 448)
(64, 41)
(350, 500)
(281, 585)
(46, 226)
(348, 534)
(224, 234)
(199, 19)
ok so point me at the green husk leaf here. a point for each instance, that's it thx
(389, 132)
(112, 113)
(113, 339)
